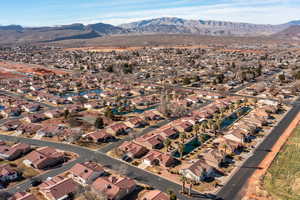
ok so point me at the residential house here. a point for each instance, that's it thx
(155, 157)
(151, 141)
(13, 152)
(118, 129)
(11, 125)
(168, 132)
(213, 157)
(152, 115)
(136, 122)
(8, 174)
(198, 171)
(58, 188)
(99, 136)
(115, 188)
(44, 157)
(154, 195)
(132, 149)
(85, 173)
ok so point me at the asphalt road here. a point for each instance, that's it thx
(85, 155)
(233, 190)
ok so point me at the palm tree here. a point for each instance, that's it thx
(180, 150)
(190, 187)
(203, 126)
(171, 194)
(218, 123)
(196, 129)
(209, 123)
(167, 143)
(182, 136)
(225, 148)
(183, 179)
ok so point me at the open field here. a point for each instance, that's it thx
(282, 180)
(157, 40)
(20, 68)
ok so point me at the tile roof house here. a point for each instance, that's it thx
(236, 135)
(154, 195)
(85, 173)
(155, 157)
(152, 115)
(151, 141)
(58, 188)
(54, 113)
(13, 152)
(23, 196)
(136, 122)
(213, 157)
(118, 129)
(133, 149)
(44, 157)
(8, 174)
(11, 125)
(198, 171)
(28, 128)
(99, 136)
(183, 126)
(115, 188)
(169, 132)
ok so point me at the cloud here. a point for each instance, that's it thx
(254, 11)
(124, 11)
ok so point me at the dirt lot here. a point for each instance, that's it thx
(6, 75)
(27, 68)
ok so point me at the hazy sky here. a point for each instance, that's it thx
(57, 12)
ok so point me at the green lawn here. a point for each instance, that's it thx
(282, 180)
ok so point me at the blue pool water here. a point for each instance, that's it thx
(188, 147)
(2, 107)
(227, 121)
(116, 112)
(73, 94)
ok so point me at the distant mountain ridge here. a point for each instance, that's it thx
(292, 32)
(165, 25)
(204, 27)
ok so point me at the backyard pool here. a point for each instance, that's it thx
(116, 112)
(188, 147)
(227, 121)
(2, 107)
(73, 94)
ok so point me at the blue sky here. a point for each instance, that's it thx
(58, 12)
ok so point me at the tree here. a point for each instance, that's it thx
(182, 136)
(99, 123)
(190, 187)
(281, 77)
(196, 129)
(225, 148)
(186, 81)
(180, 150)
(66, 113)
(167, 143)
(171, 194)
(183, 179)
(109, 113)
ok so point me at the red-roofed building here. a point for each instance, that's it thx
(86, 173)
(114, 188)
(58, 188)
(44, 157)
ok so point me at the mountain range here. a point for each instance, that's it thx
(165, 25)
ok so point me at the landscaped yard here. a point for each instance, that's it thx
(282, 180)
